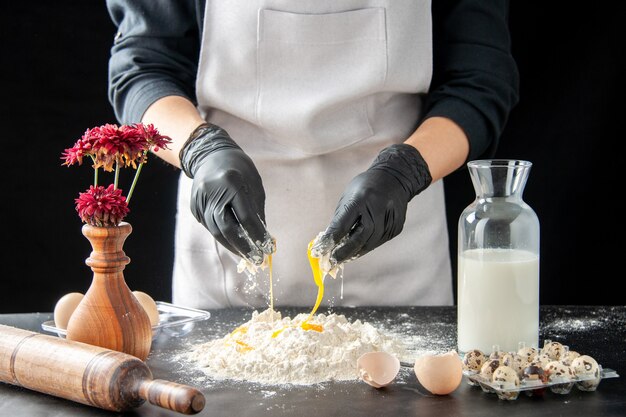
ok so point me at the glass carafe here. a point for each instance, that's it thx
(498, 261)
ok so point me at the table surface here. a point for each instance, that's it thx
(599, 331)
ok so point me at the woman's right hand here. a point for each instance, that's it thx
(227, 194)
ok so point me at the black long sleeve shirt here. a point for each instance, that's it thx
(475, 78)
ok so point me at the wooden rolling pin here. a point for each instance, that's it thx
(87, 374)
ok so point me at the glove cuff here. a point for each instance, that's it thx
(203, 141)
(407, 165)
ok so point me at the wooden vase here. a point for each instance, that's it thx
(109, 315)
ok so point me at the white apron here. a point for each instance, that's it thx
(312, 90)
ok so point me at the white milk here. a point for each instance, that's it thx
(498, 299)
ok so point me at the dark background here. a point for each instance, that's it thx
(54, 72)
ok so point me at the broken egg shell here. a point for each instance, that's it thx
(440, 374)
(378, 369)
(65, 307)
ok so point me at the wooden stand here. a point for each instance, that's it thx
(109, 315)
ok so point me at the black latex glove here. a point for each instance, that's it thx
(372, 209)
(227, 194)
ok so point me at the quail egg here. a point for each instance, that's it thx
(569, 357)
(507, 381)
(561, 376)
(473, 360)
(514, 361)
(497, 353)
(529, 353)
(586, 367)
(543, 360)
(554, 350)
(488, 368)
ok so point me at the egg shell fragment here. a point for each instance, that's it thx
(534, 372)
(378, 369)
(440, 374)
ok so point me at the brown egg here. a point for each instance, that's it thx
(149, 305)
(65, 307)
(439, 374)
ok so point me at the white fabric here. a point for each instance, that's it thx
(312, 91)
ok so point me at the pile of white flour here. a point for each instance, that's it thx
(294, 356)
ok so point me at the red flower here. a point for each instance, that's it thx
(101, 206)
(110, 144)
(152, 136)
(112, 147)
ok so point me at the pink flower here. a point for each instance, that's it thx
(101, 206)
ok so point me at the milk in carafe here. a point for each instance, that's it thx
(498, 298)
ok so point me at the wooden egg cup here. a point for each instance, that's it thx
(109, 315)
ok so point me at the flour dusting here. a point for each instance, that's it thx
(270, 349)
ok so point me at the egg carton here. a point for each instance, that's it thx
(537, 387)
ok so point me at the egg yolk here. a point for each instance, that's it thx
(239, 345)
(269, 259)
(318, 277)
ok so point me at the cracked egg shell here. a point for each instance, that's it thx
(534, 372)
(378, 369)
(440, 374)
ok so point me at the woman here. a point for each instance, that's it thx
(280, 107)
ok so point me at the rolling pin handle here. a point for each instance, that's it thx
(172, 396)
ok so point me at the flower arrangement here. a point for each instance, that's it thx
(112, 147)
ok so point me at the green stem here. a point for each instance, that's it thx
(95, 173)
(135, 178)
(117, 175)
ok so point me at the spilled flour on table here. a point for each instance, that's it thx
(271, 349)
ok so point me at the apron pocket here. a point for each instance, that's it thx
(316, 73)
